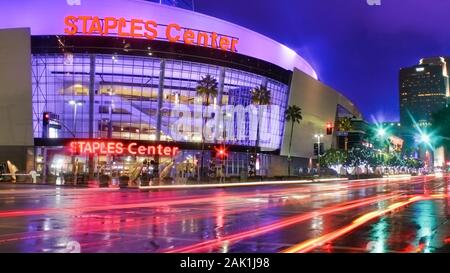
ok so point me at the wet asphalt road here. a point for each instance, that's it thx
(384, 215)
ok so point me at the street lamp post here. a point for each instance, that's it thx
(318, 136)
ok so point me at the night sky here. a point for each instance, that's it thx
(355, 48)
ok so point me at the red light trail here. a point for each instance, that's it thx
(190, 200)
(284, 223)
(112, 222)
(311, 244)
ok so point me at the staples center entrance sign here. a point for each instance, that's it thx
(147, 29)
(99, 147)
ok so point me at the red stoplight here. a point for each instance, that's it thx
(46, 118)
(221, 152)
(329, 128)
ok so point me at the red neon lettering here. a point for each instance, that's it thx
(136, 26)
(110, 23)
(151, 150)
(84, 19)
(88, 148)
(233, 45)
(96, 27)
(159, 147)
(150, 26)
(214, 40)
(224, 43)
(202, 36)
(142, 150)
(73, 147)
(71, 28)
(139, 28)
(188, 37)
(169, 36)
(81, 145)
(111, 148)
(119, 148)
(122, 25)
(95, 147)
(130, 150)
(167, 151)
(103, 149)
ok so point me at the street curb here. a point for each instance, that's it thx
(244, 184)
(269, 183)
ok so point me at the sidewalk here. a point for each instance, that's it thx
(242, 184)
(268, 183)
(91, 185)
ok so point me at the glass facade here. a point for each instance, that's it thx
(126, 98)
(127, 92)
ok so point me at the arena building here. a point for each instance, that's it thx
(95, 86)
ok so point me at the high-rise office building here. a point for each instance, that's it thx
(424, 89)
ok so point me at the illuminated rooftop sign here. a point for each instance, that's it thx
(147, 29)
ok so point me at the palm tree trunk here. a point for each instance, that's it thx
(289, 151)
(257, 132)
(257, 137)
(200, 173)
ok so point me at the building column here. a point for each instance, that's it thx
(221, 86)
(91, 95)
(162, 68)
(91, 111)
(219, 102)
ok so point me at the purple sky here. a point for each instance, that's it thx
(355, 48)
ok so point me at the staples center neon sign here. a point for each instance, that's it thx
(119, 148)
(147, 29)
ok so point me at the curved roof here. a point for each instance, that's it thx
(47, 18)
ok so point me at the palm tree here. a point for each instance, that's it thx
(345, 125)
(294, 115)
(207, 89)
(260, 95)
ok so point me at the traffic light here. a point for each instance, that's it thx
(46, 118)
(220, 152)
(329, 128)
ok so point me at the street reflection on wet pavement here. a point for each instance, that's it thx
(398, 215)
